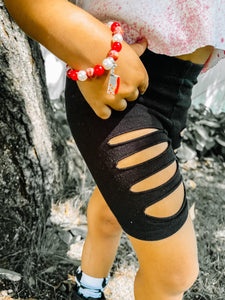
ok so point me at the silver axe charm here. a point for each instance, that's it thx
(114, 82)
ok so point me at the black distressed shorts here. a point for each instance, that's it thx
(164, 107)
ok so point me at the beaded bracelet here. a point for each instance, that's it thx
(107, 64)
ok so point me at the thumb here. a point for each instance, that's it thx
(140, 46)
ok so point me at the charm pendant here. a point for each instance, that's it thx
(114, 82)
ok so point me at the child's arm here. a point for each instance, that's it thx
(81, 41)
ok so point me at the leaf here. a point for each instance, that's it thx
(210, 144)
(211, 124)
(203, 132)
(201, 142)
(186, 153)
(49, 270)
(199, 147)
(65, 236)
(220, 141)
(10, 275)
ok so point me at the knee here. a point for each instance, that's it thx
(102, 221)
(168, 280)
(108, 225)
(181, 279)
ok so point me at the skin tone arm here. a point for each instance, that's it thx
(82, 41)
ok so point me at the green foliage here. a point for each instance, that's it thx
(205, 134)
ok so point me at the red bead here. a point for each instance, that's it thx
(114, 54)
(117, 46)
(90, 72)
(99, 70)
(118, 30)
(73, 75)
(114, 25)
(69, 73)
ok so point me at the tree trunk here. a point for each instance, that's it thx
(37, 165)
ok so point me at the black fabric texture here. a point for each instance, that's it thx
(171, 81)
(164, 107)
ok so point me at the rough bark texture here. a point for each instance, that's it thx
(37, 166)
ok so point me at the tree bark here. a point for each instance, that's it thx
(37, 165)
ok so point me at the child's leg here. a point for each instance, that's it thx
(167, 274)
(103, 237)
(167, 267)
(165, 245)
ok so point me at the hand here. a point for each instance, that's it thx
(79, 39)
(133, 80)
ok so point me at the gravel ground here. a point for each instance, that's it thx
(121, 284)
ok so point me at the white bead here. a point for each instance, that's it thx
(117, 38)
(109, 24)
(108, 63)
(82, 76)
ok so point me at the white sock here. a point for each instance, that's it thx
(89, 286)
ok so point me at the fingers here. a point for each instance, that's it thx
(133, 96)
(103, 112)
(134, 81)
(143, 85)
(119, 105)
(122, 105)
(140, 47)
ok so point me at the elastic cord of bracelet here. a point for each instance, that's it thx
(108, 63)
